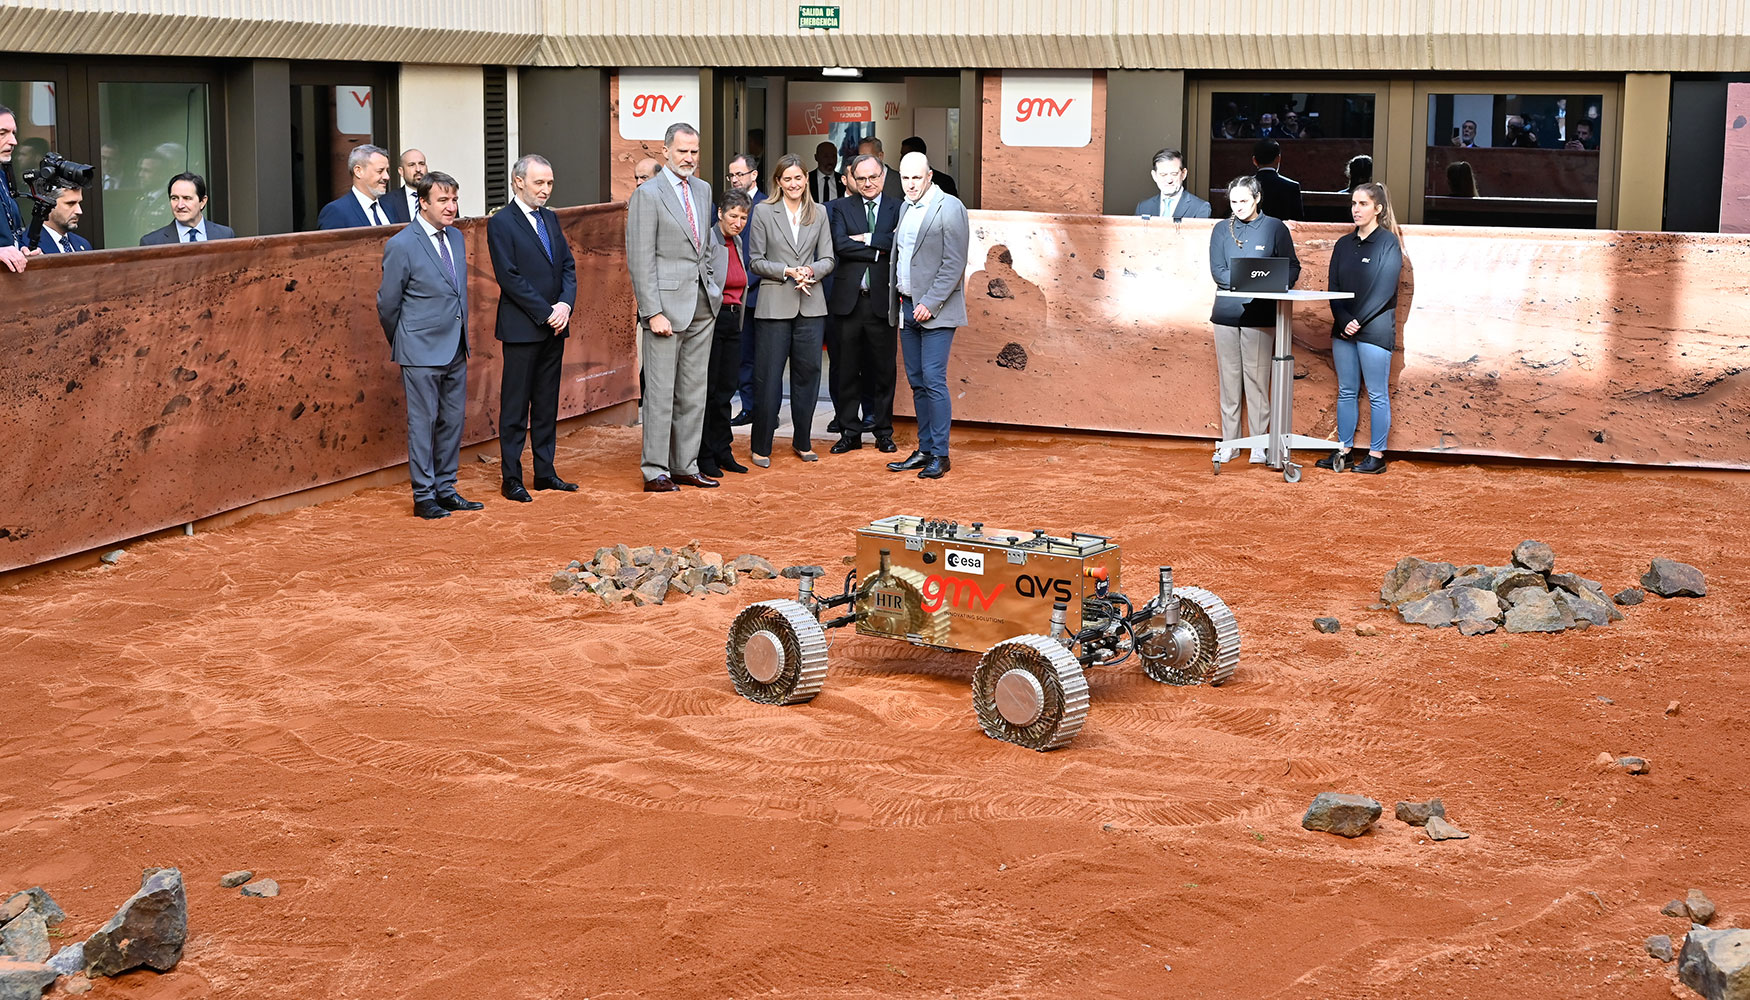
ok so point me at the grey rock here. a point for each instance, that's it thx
(643, 555)
(1659, 946)
(1418, 813)
(237, 878)
(796, 572)
(1328, 626)
(1516, 579)
(754, 566)
(1716, 964)
(1534, 556)
(565, 579)
(69, 960)
(24, 980)
(114, 556)
(1535, 611)
(264, 888)
(1439, 829)
(1633, 765)
(1340, 813)
(1585, 607)
(77, 985)
(716, 586)
(1701, 908)
(26, 937)
(149, 929)
(1586, 589)
(678, 586)
(1675, 908)
(623, 554)
(628, 576)
(1475, 577)
(1413, 578)
(655, 589)
(1626, 597)
(1435, 611)
(38, 899)
(576, 564)
(696, 578)
(1670, 578)
(1473, 626)
(1474, 603)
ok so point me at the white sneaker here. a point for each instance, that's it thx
(1257, 457)
(1225, 455)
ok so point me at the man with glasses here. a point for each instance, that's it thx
(864, 369)
(744, 176)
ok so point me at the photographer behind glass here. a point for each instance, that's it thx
(43, 182)
(58, 235)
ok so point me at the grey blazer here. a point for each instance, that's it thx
(938, 262)
(772, 249)
(423, 313)
(670, 271)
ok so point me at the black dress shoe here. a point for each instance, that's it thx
(429, 510)
(935, 468)
(834, 427)
(1330, 461)
(513, 490)
(455, 501)
(731, 465)
(741, 419)
(554, 483)
(709, 467)
(661, 484)
(693, 479)
(1372, 465)
(915, 460)
(885, 444)
(848, 442)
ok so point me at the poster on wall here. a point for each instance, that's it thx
(1735, 177)
(653, 99)
(1047, 109)
(845, 114)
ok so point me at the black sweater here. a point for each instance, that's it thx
(1261, 237)
(1369, 268)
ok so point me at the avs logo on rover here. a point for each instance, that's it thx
(961, 561)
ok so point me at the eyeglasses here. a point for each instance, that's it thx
(866, 177)
(741, 173)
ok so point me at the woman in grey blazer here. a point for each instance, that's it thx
(790, 248)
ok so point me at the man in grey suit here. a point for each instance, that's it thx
(1174, 202)
(927, 301)
(423, 306)
(677, 280)
(188, 203)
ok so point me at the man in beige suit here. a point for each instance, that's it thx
(677, 280)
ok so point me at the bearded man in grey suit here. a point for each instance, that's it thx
(677, 279)
(927, 300)
(423, 306)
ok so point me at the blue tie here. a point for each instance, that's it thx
(443, 238)
(541, 231)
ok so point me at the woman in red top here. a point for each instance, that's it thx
(725, 368)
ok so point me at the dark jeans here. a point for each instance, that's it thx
(720, 386)
(777, 342)
(926, 368)
(529, 401)
(864, 369)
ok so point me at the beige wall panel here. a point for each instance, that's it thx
(443, 113)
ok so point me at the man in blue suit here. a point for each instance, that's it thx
(188, 208)
(1173, 202)
(12, 221)
(58, 234)
(537, 284)
(864, 369)
(423, 306)
(364, 203)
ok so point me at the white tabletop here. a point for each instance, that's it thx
(1292, 295)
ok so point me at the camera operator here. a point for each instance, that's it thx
(12, 226)
(58, 233)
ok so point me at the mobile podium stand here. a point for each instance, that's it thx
(1280, 440)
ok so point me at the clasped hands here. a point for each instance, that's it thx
(804, 278)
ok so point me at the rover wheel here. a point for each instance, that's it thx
(1030, 691)
(777, 653)
(1216, 640)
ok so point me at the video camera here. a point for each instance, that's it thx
(52, 174)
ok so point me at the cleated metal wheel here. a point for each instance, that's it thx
(1030, 691)
(1205, 646)
(777, 653)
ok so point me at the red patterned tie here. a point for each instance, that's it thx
(692, 222)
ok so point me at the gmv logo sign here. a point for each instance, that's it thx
(650, 100)
(644, 104)
(1047, 107)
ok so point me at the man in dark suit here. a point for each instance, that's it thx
(537, 282)
(1173, 202)
(864, 367)
(188, 203)
(1281, 198)
(362, 204)
(744, 176)
(823, 181)
(404, 200)
(423, 306)
(890, 186)
(915, 144)
(58, 234)
(12, 222)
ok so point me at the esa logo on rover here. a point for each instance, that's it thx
(960, 561)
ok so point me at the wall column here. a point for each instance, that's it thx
(563, 115)
(258, 139)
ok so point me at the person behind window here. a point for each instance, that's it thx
(1520, 133)
(1368, 263)
(1245, 329)
(1281, 198)
(1359, 170)
(1584, 136)
(1290, 127)
(1465, 136)
(58, 234)
(1173, 202)
(1461, 180)
(188, 205)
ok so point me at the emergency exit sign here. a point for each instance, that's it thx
(817, 15)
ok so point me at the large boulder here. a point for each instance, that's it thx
(1534, 556)
(1339, 813)
(24, 980)
(1414, 578)
(26, 937)
(69, 960)
(1670, 578)
(1716, 964)
(1435, 610)
(1534, 610)
(149, 930)
(1585, 607)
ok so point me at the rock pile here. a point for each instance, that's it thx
(1526, 595)
(652, 574)
(1353, 815)
(147, 932)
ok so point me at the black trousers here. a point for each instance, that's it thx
(529, 404)
(778, 342)
(722, 382)
(863, 370)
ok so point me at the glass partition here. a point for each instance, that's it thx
(1321, 136)
(1513, 159)
(149, 133)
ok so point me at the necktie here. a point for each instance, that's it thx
(194, 235)
(541, 231)
(377, 214)
(66, 244)
(692, 221)
(443, 238)
(869, 207)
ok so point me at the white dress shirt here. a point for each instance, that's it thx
(199, 227)
(365, 203)
(905, 239)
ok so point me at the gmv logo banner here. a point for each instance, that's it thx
(1047, 109)
(653, 99)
